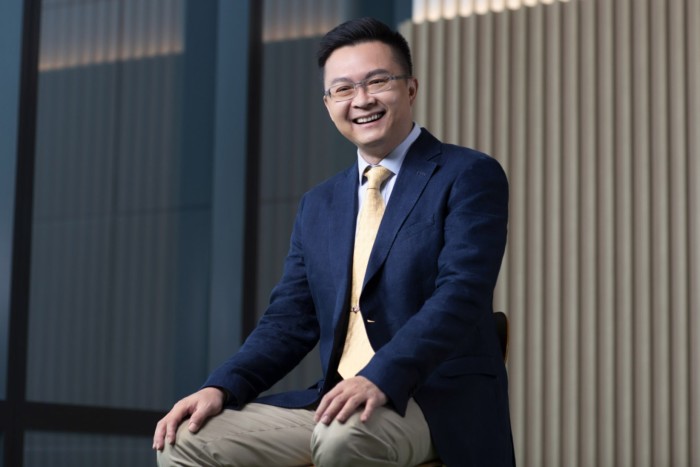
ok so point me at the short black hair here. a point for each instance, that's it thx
(357, 31)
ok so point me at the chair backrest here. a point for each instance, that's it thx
(501, 321)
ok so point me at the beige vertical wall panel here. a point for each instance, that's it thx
(570, 240)
(516, 237)
(593, 109)
(660, 309)
(552, 237)
(422, 64)
(588, 226)
(603, 182)
(436, 41)
(692, 41)
(468, 74)
(501, 129)
(643, 439)
(484, 82)
(624, 296)
(534, 247)
(453, 78)
(678, 305)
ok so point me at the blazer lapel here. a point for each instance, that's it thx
(416, 171)
(343, 217)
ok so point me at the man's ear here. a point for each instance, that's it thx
(412, 89)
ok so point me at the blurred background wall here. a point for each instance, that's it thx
(593, 109)
(152, 154)
(127, 252)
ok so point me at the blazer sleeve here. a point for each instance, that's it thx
(475, 230)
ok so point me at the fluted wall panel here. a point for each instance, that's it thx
(110, 204)
(691, 105)
(300, 19)
(592, 107)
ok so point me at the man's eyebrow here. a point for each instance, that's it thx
(369, 74)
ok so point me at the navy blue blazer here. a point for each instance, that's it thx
(426, 300)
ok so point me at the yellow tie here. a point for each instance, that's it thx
(358, 351)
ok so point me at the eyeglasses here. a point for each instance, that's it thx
(345, 91)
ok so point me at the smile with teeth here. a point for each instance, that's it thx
(369, 118)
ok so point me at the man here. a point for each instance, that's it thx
(411, 363)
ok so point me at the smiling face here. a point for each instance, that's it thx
(375, 123)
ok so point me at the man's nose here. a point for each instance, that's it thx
(363, 97)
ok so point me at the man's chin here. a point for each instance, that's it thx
(373, 140)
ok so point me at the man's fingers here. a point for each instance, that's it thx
(159, 436)
(165, 430)
(346, 398)
(348, 409)
(369, 409)
(210, 404)
(331, 412)
(197, 419)
(171, 429)
(341, 408)
(324, 406)
(321, 409)
(167, 426)
(378, 399)
(200, 406)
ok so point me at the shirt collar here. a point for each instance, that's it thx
(394, 159)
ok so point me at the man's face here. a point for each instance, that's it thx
(375, 123)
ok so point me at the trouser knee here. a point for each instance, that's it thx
(164, 458)
(181, 454)
(347, 444)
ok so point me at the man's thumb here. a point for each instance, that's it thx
(195, 422)
(193, 427)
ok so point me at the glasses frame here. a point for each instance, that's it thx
(363, 84)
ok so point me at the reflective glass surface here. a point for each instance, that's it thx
(121, 229)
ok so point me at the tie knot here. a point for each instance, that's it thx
(376, 176)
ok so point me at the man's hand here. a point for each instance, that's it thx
(346, 397)
(199, 406)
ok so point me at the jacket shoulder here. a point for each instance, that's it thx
(327, 186)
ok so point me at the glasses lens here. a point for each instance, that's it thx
(379, 84)
(346, 91)
(341, 92)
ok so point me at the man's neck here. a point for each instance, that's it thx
(375, 158)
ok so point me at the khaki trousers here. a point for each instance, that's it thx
(265, 436)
